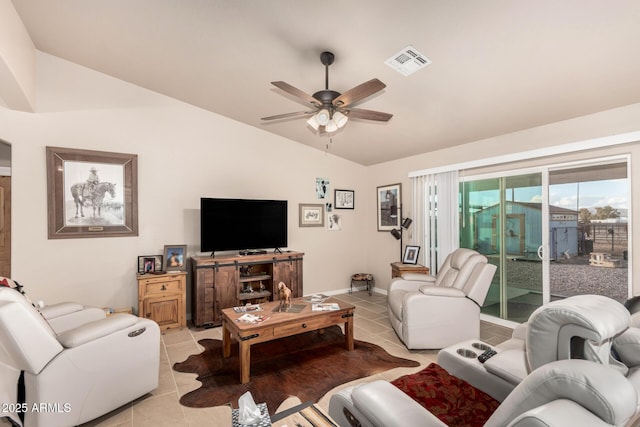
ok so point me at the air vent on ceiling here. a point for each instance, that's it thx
(408, 61)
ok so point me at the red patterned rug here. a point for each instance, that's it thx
(454, 401)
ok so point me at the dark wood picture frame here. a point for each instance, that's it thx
(344, 199)
(389, 206)
(116, 199)
(144, 264)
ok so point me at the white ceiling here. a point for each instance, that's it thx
(498, 65)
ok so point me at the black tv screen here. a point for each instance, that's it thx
(239, 224)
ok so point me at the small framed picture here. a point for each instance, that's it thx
(175, 256)
(311, 215)
(411, 254)
(149, 264)
(344, 199)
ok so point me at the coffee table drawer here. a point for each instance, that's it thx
(307, 325)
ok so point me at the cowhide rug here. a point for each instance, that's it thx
(306, 366)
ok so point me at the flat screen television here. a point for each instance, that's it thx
(242, 224)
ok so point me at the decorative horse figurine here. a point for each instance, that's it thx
(285, 296)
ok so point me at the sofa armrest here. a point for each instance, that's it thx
(419, 277)
(385, 405)
(96, 329)
(442, 291)
(62, 320)
(61, 309)
(627, 346)
(561, 412)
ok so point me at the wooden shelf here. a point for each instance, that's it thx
(254, 278)
(218, 282)
(253, 295)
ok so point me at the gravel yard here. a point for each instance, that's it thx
(572, 276)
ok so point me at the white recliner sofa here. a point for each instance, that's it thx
(430, 312)
(559, 394)
(545, 348)
(578, 327)
(90, 366)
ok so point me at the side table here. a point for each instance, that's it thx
(397, 268)
(362, 277)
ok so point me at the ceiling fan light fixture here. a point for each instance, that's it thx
(340, 119)
(331, 126)
(323, 117)
(313, 122)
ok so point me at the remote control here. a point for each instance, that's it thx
(486, 355)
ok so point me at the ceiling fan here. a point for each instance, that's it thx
(330, 108)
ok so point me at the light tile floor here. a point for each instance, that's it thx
(162, 407)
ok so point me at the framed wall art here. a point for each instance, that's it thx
(344, 199)
(175, 256)
(91, 193)
(389, 202)
(311, 215)
(150, 264)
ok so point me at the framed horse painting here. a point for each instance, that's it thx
(91, 193)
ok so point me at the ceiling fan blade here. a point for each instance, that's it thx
(296, 92)
(368, 114)
(359, 92)
(287, 115)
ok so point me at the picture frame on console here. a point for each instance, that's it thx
(149, 264)
(91, 193)
(175, 257)
(344, 199)
(389, 206)
(311, 215)
(411, 254)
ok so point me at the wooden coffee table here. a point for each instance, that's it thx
(280, 325)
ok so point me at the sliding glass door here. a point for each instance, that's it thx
(553, 232)
(502, 219)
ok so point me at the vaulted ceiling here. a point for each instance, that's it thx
(499, 66)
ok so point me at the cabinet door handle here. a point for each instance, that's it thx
(304, 326)
(163, 288)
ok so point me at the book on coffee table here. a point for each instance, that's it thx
(316, 298)
(251, 318)
(325, 307)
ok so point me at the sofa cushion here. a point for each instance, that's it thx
(454, 401)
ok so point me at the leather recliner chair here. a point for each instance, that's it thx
(558, 394)
(430, 312)
(80, 372)
(578, 327)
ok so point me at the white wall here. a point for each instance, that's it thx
(183, 153)
(384, 249)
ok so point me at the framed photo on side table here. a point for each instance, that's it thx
(150, 264)
(91, 193)
(389, 202)
(411, 254)
(175, 256)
